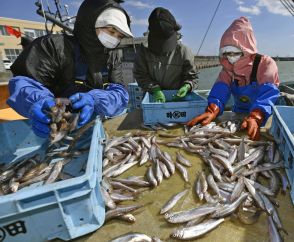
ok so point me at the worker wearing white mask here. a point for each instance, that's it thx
(232, 53)
(250, 77)
(83, 67)
(111, 26)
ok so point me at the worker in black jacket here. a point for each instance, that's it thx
(165, 63)
(73, 66)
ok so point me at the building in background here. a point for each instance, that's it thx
(10, 46)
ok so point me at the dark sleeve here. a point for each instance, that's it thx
(189, 74)
(140, 70)
(44, 61)
(114, 64)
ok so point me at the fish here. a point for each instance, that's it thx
(213, 185)
(274, 234)
(128, 218)
(108, 200)
(183, 171)
(228, 209)
(187, 215)
(196, 231)
(172, 201)
(151, 178)
(181, 159)
(239, 187)
(119, 211)
(56, 169)
(134, 237)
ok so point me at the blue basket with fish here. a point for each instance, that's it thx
(64, 209)
(282, 129)
(172, 112)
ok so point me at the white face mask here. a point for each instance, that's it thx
(107, 40)
(233, 59)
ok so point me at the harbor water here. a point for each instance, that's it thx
(208, 76)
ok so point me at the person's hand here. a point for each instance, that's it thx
(182, 92)
(210, 114)
(40, 118)
(252, 123)
(158, 95)
(85, 103)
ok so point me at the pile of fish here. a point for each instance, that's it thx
(242, 178)
(39, 168)
(233, 184)
(63, 121)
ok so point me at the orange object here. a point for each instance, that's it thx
(252, 123)
(210, 114)
(8, 114)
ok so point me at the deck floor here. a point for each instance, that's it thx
(150, 222)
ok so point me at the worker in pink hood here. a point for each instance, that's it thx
(251, 78)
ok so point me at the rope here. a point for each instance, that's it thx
(209, 26)
(286, 6)
(46, 26)
(290, 5)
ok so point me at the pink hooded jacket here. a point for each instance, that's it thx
(240, 34)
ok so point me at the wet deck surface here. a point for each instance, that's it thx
(150, 222)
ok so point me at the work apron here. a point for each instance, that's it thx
(245, 96)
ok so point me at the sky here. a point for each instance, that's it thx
(273, 25)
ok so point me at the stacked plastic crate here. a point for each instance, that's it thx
(127, 72)
(136, 96)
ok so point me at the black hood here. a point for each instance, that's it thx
(84, 30)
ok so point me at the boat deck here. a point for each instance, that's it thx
(150, 222)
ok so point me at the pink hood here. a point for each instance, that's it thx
(240, 34)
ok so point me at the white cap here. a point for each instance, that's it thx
(116, 18)
(229, 48)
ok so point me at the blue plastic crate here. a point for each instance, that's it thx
(136, 105)
(282, 129)
(64, 209)
(133, 87)
(172, 112)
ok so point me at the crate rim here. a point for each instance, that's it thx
(157, 104)
(280, 119)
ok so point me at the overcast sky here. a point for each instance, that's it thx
(272, 23)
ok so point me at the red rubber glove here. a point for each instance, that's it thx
(210, 114)
(252, 124)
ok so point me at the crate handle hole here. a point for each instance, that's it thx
(81, 219)
(290, 160)
(278, 132)
(59, 226)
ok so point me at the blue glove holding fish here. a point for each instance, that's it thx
(40, 118)
(85, 102)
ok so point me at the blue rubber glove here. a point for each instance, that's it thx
(40, 119)
(85, 102)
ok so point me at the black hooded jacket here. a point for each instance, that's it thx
(53, 59)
